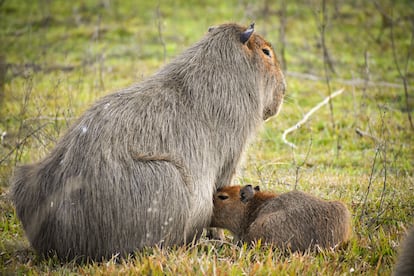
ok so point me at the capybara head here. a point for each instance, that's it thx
(228, 208)
(262, 63)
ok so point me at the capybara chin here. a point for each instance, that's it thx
(140, 166)
(293, 221)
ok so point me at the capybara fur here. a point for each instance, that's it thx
(140, 166)
(293, 221)
(405, 261)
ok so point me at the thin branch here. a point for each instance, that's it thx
(23, 141)
(404, 74)
(282, 32)
(298, 167)
(3, 72)
(384, 179)
(352, 82)
(366, 134)
(48, 118)
(366, 73)
(327, 62)
(159, 19)
(410, 49)
(306, 117)
(371, 179)
(322, 29)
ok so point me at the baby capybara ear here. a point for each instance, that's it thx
(246, 193)
(257, 189)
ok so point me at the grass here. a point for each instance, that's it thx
(62, 56)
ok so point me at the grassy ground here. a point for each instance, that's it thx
(56, 57)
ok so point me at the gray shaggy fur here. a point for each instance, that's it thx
(405, 261)
(140, 166)
(293, 220)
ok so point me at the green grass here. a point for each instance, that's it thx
(63, 55)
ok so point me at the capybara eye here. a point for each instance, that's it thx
(266, 52)
(223, 197)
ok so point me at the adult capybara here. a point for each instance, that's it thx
(140, 166)
(405, 261)
(293, 220)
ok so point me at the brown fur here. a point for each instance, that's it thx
(293, 220)
(140, 166)
(405, 261)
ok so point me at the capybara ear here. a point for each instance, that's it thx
(246, 193)
(257, 189)
(244, 37)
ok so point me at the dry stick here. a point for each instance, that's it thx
(383, 155)
(306, 117)
(159, 19)
(371, 179)
(352, 82)
(366, 134)
(366, 74)
(327, 62)
(392, 197)
(322, 28)
(282, 31)
(297, 177)
(3, 72)
(402, 74)
(22, 141)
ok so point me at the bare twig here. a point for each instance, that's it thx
(3, 72)
(47, 118)
(403, 72)
(22, 142)
(381, 151)
(327, 62)
(366, 73)
(371, 179)
(352, 82)
(383, 145)
(282, 31)
(322, 29)
(159, 19)
(306, 117)
(366, 134)
(298, 167)
(21, 70)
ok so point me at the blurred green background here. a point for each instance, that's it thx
(57, 57)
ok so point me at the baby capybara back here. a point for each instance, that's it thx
(292, 220)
